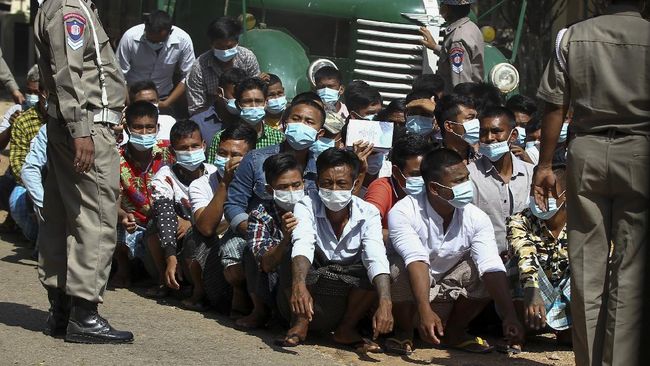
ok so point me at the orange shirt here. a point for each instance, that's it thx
(381, 194)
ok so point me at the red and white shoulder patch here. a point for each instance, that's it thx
(75, 26)
(456, 56)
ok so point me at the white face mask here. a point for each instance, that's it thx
(287, 199)
(335, 200)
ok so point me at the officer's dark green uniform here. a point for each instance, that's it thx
(601, 69)
(86, 94)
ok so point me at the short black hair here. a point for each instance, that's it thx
(182, 129)
(274, 79)
(232, 76)
(158, 21)
(498, 111)
(459, 11)
(484, 94)
(521, 103)
(240, 131)
(276, 165)
(418, 94)
(430, 83)
(534, 124)
(436, 161)
(334, 157)
(226, 27)
(327, 72)
(250, 84)
(448, 108)
(308, 95)
(408, 146)
(358, 94)
(141, 85)
(140, 109)
(395, 106)
(307, 102)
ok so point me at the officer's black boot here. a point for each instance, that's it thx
(57, 318)
(87, 326)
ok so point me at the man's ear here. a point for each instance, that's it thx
(514, 135)
(320, 133)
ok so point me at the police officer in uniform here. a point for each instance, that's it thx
(461, 51)
(77, 239)
(7, 79)
(600, 69)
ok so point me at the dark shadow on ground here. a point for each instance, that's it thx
(22, 250)
(22, 316)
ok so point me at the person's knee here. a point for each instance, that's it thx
(235, 275)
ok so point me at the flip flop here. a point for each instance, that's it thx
(364, 345)
(474, 345)
(401, 346)
(198, 307)
(284, 342)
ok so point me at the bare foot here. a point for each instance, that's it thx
(296, 335)
(256, 319)
(348, 336)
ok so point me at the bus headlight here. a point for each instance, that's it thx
(505, 77)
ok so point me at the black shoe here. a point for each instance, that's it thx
(87, 326)
(57, 318)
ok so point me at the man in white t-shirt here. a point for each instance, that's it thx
(446, 254)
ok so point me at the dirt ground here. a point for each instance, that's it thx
(168, 335)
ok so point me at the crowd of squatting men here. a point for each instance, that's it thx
(259, 205)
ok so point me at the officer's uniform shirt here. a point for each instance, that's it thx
(140, 62)
(461, 56)
(6, 77)
(64, 38)
(603, 84)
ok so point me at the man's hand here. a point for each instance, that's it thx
(363, 149)
(535, 312)
(18, 97)
(183, 226)
(428, 41)
(231, 166)
(84, 153)
(265, 77)
(543, 186)
(289, 222)
(521, 154)
(172, 272)
(128, 221)
(513, 331)
(302, 305)
(427, 105)
(13, 117)
(430, 324)
(382, 321)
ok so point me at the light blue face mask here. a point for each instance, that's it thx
(142, 142)
(190, 160)
(220, 162)
(30, 101)
(252, 115)
(299, 135)
(420, 125)
(564, 132)
(231, 106)
(544, 215)
(414, 185)
(321, 145)
(155, 46)
(328, 96)
(370, 117)
(495, 150)
(225, 55)
(472, 130)
(375, 162)
(521, 136)
(463, 194)
(276, 105)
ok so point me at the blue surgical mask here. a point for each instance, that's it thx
(463, 194)
(220, 162)
(414, 185)
(321, 145)
(299, 135)
(564, 132)
(328, 95)
(276, 105)
(155, 46)
(225, 55)
(532, 145)
(252, 115)
(472, 130)
(375, 162)
(544, 215)
(370, 117)
(420, 125)
(231, 106)
(495, 150)
(190, 160)
(30, 101)
(521, 136)
(142, 142)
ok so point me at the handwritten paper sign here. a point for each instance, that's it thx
(378, 133)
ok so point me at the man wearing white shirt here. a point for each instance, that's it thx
(338, 255)
(146, 91)
(155, 51)
(446, 252)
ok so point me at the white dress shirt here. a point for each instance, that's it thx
(361, 237)
(140, 62)
(417, 234)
